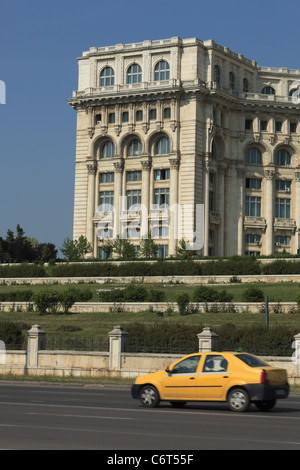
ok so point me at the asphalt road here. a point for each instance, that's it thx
(52, 417)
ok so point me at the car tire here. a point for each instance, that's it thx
(238, 400)
(149, 396)
(265, 405)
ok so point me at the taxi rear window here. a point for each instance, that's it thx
(251, 361)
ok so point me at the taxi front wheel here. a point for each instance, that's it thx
(238, 400)
(149, 396)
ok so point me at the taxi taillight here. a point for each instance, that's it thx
(264, 377)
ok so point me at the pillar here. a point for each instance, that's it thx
(174, 215)
(208, 340)
(221, 208)
(117, 344)
(269, 210)
(36, 342)
(146, 169)
(297, 211)
(119, 165)
(241, 210)
(92, 170)
(206, 168)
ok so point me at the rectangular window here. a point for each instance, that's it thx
(282, 240)
(167, 113)
(252, 208)
(263, 125)
(111, 118)
(283, 185)
(293, 127)
(125, 116)
(134, 198)
(252, 238)
(160, 232)
(248, 124)
(253, 183)
(278, 126)
(161, 197)
(107, 177)
(162, 174)
(152, 114)
(104, 254)
(282, 208)
(139, 115)
(163, 251)
(134, 176)
(106, 201)
(98, 119)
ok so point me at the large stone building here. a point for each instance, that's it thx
(168, 126)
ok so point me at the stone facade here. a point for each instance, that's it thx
(166, 126)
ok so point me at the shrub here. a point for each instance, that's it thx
(67, 298)
(15, 296)
(45, 300)
(22, 270)
(156, 296)
(253, 294)
(209, 294)
(11, 334)
(183, 301)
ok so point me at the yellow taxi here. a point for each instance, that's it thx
(237, 378)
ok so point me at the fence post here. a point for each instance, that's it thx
(117, 343)
(296, 354)
(208, 340)
(36, 342)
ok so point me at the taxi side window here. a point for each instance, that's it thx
(186, 366)
(215, 363)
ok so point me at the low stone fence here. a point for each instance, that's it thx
(36, 361)
(192, 280)
(161, 307)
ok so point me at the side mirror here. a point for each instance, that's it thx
(168, 370)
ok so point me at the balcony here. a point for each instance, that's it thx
(284, 224)
(254, 223)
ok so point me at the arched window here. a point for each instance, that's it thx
(268, 90)
(162, 71)
(162, 146)
(282, 158)
(107, 77)
(134, 74)
(134, 148)
(108, 150)
(217, 74)
(253, 156)
(245, 85)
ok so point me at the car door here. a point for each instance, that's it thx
(181, 382)
(212, 379)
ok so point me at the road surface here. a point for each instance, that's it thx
(42, 417)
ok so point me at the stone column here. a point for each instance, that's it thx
(208, 340)
(92, 170)
(145, 213)
(206, 168)
(36, 342)
(240, 207)
(221, 207)
(297, 210)
(117, 344)
(269, 210)
(174, 214)
(119, 165)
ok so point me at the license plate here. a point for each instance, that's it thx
(280, 393)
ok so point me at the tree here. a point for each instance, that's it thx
(75, 250)
(148, 247)
(123, 248)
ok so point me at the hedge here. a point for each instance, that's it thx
(182, 338)
(22, 270)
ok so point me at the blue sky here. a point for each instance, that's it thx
(39, 44)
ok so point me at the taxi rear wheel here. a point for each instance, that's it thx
(149, 396)
(238, 400)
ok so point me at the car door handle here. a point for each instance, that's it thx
(225, 376)
(192, 378)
